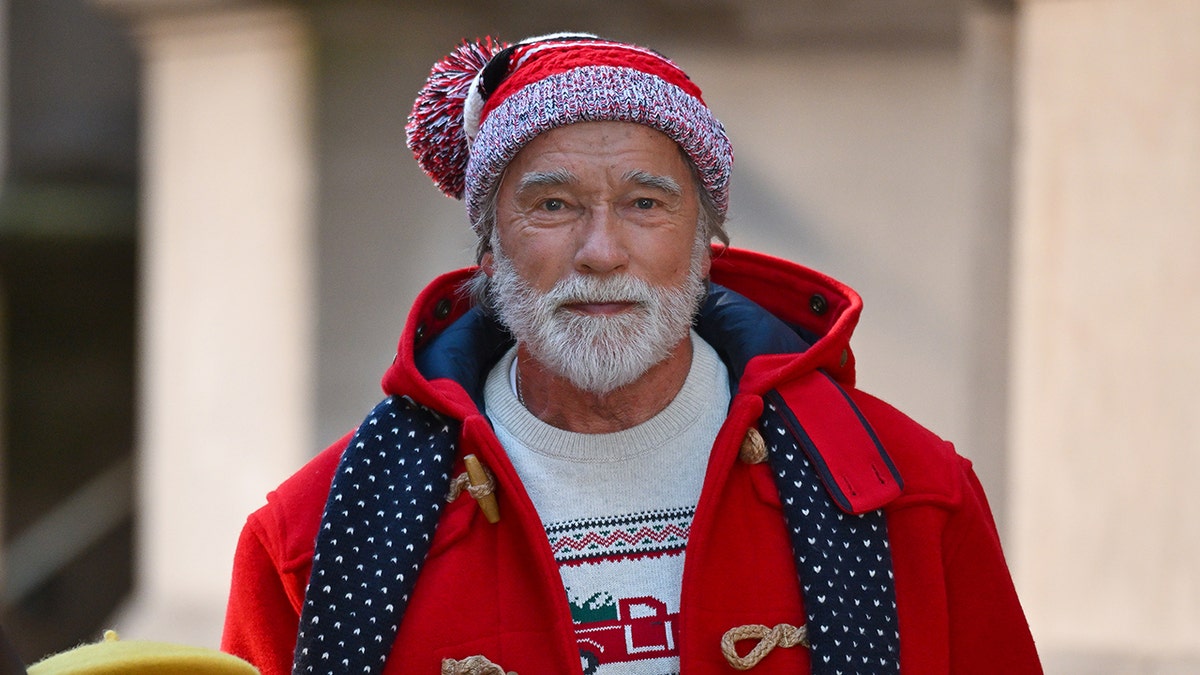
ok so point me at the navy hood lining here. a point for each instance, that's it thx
(736, 327)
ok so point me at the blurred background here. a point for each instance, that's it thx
(211, 232)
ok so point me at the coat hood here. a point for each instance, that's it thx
(768, 319)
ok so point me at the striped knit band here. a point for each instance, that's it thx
(593, 94)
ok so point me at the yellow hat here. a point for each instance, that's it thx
(138, 657)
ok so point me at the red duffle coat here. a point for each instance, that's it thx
(494, 589)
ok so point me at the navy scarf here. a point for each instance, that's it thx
(844, 560)
(379, 520)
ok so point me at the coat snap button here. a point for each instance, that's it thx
(442, 309)
(818, 304)
(754, 449)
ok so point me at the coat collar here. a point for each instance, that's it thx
(768, 318)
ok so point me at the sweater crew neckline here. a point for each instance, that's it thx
(692, 401)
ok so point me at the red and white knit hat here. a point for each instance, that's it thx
(484, 102)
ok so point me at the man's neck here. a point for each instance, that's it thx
(554, 400)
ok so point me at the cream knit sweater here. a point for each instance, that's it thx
(618, 507)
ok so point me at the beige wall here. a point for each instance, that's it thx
(1106, 399)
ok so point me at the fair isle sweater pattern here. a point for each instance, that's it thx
(613, 568)
(653, 533)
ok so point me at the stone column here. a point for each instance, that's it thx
(227, 295)
(1106, 396)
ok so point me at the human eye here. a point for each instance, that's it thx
(644, 203)
(553, 204)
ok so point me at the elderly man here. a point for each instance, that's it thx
(611, 447)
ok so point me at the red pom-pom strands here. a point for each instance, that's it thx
(435, 128)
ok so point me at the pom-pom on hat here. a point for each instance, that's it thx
(486, 100)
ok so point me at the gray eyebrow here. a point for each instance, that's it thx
(647, 179)
(535, 179)
(546, 179)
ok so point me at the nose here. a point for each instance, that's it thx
(601, 247)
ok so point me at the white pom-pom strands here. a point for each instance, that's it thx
(435, 128)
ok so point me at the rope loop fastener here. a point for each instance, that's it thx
(480, 483)
(782, 635)
(472, 665)
(753, 449)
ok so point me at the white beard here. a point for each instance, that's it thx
(598, 353)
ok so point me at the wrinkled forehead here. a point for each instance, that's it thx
(613, 147)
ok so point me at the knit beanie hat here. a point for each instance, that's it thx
(486, 100)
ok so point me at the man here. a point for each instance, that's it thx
(668, 466)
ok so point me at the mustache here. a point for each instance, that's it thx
(579, 289)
